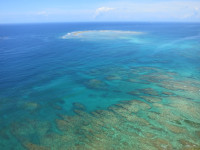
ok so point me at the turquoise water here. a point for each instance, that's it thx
(100, 86)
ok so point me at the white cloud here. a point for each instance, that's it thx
(197, 8)
(102, 10)
(176, 10)
(42, 13)
(193, 13)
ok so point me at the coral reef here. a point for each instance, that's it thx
(78, 106)
(156, 119)
(31, 106)
(96, 84)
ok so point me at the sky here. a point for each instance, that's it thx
(33, 11)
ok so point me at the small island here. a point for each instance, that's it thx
(99, 34)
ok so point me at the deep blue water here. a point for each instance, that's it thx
(42, 74)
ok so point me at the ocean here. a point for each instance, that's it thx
(100, 86)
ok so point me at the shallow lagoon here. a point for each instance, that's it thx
(118, 86)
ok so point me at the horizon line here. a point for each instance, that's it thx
(100, 22)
